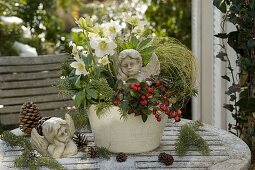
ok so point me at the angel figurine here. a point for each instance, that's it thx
(129, 65)
(57, 138)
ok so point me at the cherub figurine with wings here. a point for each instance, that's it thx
(129, 65)
(57, 138)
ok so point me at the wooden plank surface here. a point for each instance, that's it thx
(223, 150)
(45, 59)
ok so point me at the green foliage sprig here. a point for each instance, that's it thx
(28, 158)
(189, 137)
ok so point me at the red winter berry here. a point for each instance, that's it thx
(174, 114)
(133, 86)
(155, 111)
(156, 116)
(179, 112)
(165, 97)
(167, 111)
(116, 102)
(149, 95)
(158, 83)
(143, 97)
(177, 119)
(139, 89)
(144, 102)
(162, 107)
(150, 89)
(159, 119)
(157, 102)
(137, 84)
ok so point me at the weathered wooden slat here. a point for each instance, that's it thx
(30, 76)
(174, 165)
(172, 142)
(41, 106)
(35, 99)
(29, 83)
(212, 138)
(203, 133)
(14, 61)
(28, 92)
(13, 118)
(29, 68)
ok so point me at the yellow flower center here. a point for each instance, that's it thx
(112, 29)
(80, 66)
(134, 21)
(103, 45)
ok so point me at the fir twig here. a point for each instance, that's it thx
(80, 120)
(102, 106)
(189, 137)
(28, 157)
(103, 153)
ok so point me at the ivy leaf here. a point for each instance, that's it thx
(144, 117)
(233, 89)
(232, 97)
(221, 35)
(229, 107)
(221, 5)
(226, 78)
(221, 55)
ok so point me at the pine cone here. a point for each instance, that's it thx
(80, 140)
(121, 157)
(92, 151)
(39, 125)
(28, 117)
(165, 158)
(161, 156)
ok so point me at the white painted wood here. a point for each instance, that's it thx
(206, 20)
(227, 151)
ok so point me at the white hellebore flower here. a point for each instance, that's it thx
(134, 20)
(102, 46)
(79, 66)
(138, 29)
(111, 29)
(105, 60)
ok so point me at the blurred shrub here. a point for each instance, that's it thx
(171, 18)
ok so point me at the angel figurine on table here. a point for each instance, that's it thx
(129, 65)
(56, 140)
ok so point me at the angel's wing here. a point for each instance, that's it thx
(153, 67)
(39, 143)
(70, 123)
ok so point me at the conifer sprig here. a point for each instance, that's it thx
(189, 137)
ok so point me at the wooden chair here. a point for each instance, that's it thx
(24, 79)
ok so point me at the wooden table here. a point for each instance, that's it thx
(228, 152)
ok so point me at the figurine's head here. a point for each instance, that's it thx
(130, 62)
(56, 129)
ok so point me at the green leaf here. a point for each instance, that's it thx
(229, 107)
(146, 59)
(221, 5)
(144, 117)
(226, 78)
(79, 98)
(77, 83)
(148, 50)
(134, 41)
(92, 93)
(88, 59)
(144, 43)
(134, 93)
(232, 97)
(132, 80)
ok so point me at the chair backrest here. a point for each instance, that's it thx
(24, 79)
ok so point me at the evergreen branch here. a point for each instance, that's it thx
(29, 158)
(80, 119)
(189, 137)
(103, 153)
(103, 106)
(103, 88)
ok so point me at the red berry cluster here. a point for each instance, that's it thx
(145, 93)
